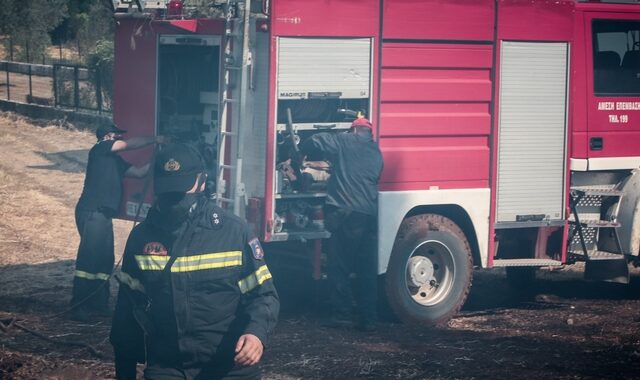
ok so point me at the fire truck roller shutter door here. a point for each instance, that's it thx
(430, 270)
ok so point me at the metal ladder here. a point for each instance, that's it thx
(237, 59)
(588, 221)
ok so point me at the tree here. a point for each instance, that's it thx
(28, 23)
(90, 22)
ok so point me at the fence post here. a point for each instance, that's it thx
(55, 85)
(6, 67)
(99, 89)
(30, 87)
(76, 87)
(11, 48)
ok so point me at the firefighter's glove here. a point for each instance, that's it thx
(288, 171)
(248, 350)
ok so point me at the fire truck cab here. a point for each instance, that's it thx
(510, 129)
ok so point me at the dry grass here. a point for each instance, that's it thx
(41, 177)
(496, 337)
(68, 53)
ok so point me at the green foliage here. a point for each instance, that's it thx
(100, 61)
(93, 23)
(28, 23)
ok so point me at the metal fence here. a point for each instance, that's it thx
(57, 85)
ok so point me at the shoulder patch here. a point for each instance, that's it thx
(256, 248)
(216, 220)
(155, 248)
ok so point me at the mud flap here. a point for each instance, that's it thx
(616, 270)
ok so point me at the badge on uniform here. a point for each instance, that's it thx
(256, 248)
(216, 220)
(155, 248)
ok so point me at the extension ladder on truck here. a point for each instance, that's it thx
(237, 59)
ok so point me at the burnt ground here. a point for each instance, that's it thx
(566, 328)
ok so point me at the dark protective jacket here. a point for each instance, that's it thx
(102, 189)
(219, 287)
(356, 163)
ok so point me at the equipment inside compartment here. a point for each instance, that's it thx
(301, 182)
(188, 80)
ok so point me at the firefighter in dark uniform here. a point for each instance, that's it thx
(351, 217)
(196, 298)
(96, 207)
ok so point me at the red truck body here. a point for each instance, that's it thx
(499, 116)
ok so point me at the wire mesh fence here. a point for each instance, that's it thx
(62, 52)
(57, 85)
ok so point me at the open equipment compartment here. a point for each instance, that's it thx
(188, 82)
(316, 78)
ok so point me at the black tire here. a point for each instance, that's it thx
(430, 247)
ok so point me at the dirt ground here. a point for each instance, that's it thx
(41, 87)
(568, 329)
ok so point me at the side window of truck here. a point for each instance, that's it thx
(616, 57)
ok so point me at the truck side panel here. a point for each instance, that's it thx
(434, 115)
(329, 18)
(470, 20)
(535, 20)
(435, 101)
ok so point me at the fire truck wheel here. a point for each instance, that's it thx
(430, 270)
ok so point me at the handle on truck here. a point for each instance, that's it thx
(292, 135)
(348, 112)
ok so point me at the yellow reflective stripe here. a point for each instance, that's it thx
(150, 262)
(195, 267)
(207, 261)
(256, 278)
(191, 263)
(91, 276)
(131, 282)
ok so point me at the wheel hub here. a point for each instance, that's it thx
(419, 271)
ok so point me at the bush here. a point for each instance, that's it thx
(100, 63)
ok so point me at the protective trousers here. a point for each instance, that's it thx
(352, 250)
(158, 372)
(94, 263)
(222, 367)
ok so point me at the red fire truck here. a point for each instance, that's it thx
(510, 129)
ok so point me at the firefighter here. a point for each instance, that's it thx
(96, 207)
(351, 217)
(196, 298)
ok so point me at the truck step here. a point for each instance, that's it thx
(596, 223)
(526, 263)
(599, 255)
(597, 190)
